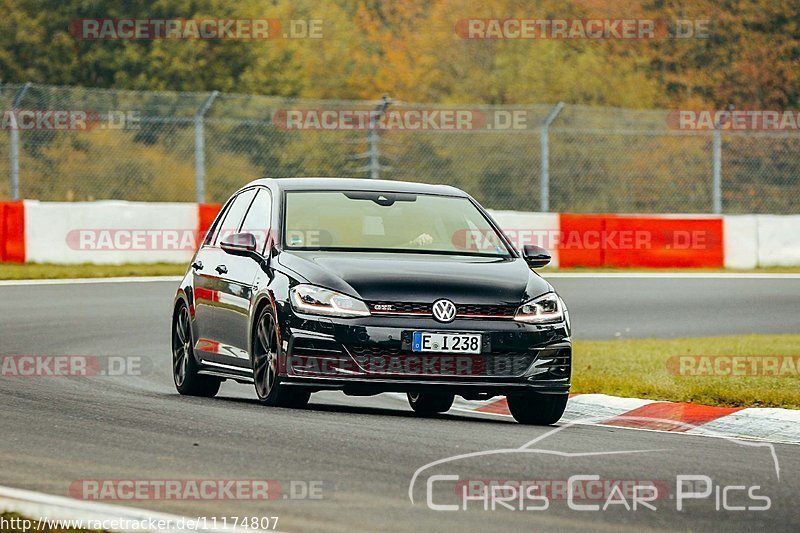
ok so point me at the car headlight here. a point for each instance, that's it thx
(546, 309)
(319, 301)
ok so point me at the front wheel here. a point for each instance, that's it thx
(266, 350)
(429, 403)
(537, 409)
(184, 365)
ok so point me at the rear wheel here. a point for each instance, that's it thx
(537, 409)
(428, 403)
(184, 365)
(266, 350)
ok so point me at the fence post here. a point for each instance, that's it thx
(372, 138)
(200, 147)
(14, 144)
(716, 154)
(544, 174)
(374, 154)
(716, 193)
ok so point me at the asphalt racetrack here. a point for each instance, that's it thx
(362, 458)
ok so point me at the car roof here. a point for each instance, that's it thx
(356, 184)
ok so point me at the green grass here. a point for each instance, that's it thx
(45, 271)
(638, 368)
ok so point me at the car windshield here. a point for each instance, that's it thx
(391, 222)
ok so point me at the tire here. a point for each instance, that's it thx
(266, 353)
(537, 409)
(429, 403)
(184, 366)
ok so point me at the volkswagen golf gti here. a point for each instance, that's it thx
(367, 286)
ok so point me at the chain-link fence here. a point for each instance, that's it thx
(71, 143)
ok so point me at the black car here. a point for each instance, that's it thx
(367, 286)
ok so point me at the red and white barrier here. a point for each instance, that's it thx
(103, 232)
(118, 232)
(660, 241)
(762, 240)
(620, 241)
(110, 232)
(741, 241)
(523, 228)
(778, 240)
(12, 232)
(642, 241)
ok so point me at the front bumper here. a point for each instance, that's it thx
(373, 354)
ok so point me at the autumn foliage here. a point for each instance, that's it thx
(411, 50)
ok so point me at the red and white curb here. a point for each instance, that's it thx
(41, 508)
(765, 424)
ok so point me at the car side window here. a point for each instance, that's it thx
(233, 217)
(257, 220)
(214, 229)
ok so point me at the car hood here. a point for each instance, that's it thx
(418, 277)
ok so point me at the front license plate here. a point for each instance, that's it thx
(446, 342)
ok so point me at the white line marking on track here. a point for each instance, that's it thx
(587, 275)
(671, 275)
(88, 281)
(37, 506)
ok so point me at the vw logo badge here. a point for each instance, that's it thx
(444, 310)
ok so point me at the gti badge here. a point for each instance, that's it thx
(444, 310)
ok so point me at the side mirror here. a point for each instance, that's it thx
(240, 244)
(535, 256)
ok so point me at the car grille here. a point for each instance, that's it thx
(463, 310)
(325, 358)
(318, 358)
(319, 348)
(553, 363)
